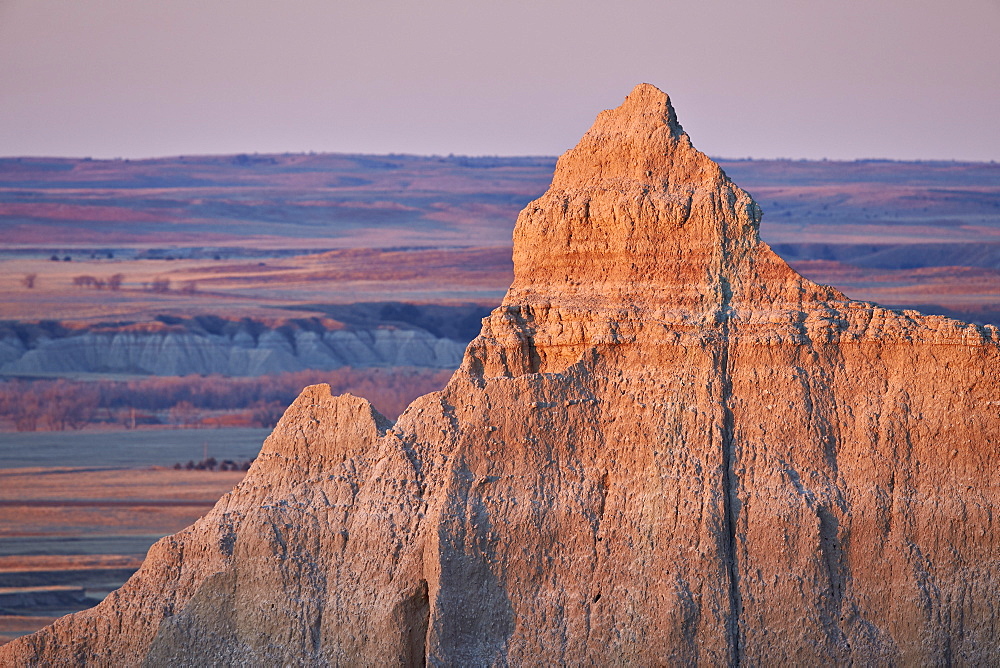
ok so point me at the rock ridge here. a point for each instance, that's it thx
(664, 447)
(243, 349)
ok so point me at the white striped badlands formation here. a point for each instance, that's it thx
(665, 447)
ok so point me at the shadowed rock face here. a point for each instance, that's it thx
(236, 349)
(664, 447)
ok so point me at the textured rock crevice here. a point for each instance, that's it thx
(730, 490)
(665, 447)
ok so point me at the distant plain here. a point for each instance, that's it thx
(275, 235)
(78, 510)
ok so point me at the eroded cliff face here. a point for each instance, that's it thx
(252, 350)
(664, 447)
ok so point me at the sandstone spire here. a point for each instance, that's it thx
(633, 210)
(665, 447)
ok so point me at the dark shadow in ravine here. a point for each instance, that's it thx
(471, 616)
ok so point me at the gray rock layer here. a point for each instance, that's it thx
(241, 354)
(665, 447)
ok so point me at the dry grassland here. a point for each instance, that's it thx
(69, 536)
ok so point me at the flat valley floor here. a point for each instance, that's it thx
(78, 510)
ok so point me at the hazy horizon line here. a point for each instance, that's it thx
(483, 156)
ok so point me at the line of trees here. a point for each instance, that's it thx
(52, 405)
(113, 282)
(196, 401)
(159, 285)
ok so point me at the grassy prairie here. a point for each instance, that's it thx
(79, 510)
(125, 449)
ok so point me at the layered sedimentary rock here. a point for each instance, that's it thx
(244, 349)
(664, 447)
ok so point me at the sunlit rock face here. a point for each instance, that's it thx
(665, 447)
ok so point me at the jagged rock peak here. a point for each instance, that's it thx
(636, 140)
(633, 209)
(666, 447)
(642, 238)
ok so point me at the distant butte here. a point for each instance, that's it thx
(665, 447)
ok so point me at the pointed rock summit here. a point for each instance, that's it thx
(665, 447)
(633, 209)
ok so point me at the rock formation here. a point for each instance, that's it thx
(665, 447)
(246, 348)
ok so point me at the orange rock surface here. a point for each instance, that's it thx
(665, 447)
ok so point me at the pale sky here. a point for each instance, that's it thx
(840, 79)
